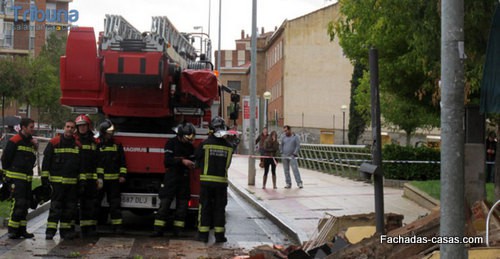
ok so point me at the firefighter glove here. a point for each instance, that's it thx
(121, 179)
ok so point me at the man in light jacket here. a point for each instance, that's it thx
(290, 147)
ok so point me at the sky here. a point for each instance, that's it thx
(236, 15)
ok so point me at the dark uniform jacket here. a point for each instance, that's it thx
(62, 160)
(214, 157)
(19, 157)
(111, 164)
(88, 154)
(175, 151)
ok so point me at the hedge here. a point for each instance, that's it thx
(408, 171)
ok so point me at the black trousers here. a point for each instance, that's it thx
(213, 201)
(89, 205)
(113, 195)
(63, 208)
(175, 186)
(269, 162)
(21, 195)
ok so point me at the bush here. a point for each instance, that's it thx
(407, 171)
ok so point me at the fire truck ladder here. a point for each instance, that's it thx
(120, 34)
(180, 49)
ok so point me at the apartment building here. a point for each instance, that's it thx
(24, 28)
(307, 75)
(26, 24)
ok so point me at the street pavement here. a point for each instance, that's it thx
(298, 210)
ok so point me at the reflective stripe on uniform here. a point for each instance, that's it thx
(65, 225)
(100, 170)
(109, 149)
(14, 224)
(203, 228)
(178, 223)
(219, 229)
(116, 221)
(213, 178)
(91, 176)
(44, 174)
(52, 225)
(123, 170)
(86, 223)
(159, 223)
(19, 176)
(25, 148)
(23, 223)
(89, 147)
(63, 180)
(66, 150)
(111, 176)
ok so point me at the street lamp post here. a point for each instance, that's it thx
(343, 108)
(267, 97)
(201, 37)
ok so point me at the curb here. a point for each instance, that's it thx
(299, 236)
(420, 197)
(31, 214)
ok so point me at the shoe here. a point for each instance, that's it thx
(220, 238)
(69, 235)
(49, 236)
(275, 187)
(156, 234)
(301, 186)
(14, 236)
(27, 235)
(202, 237)
(119, 230)
(288, 186)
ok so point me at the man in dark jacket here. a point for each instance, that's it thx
(214, 157)
(61, 170)
(179, 153)
(88, 181)
(18, 160)
(111, 172)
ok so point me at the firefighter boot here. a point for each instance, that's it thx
(157, 232)
(118, 229)
(220, 238)
(264, 180)
(202, 237)
(14, 233)
(274, 182)
(24, 233)
(49, 235)
(176, 231)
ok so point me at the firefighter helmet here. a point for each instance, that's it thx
(82, 120)
(217, 124)
(186, 130)
(106, 127)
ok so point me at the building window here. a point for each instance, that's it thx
(235, 85)
(6, 7)
(8, 35)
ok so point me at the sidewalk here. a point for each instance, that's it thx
(298, 210)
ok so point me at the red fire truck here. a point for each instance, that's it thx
(146, 84)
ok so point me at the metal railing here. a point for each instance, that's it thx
(341, 160)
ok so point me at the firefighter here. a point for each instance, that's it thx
(178, 161)
(111, 172)
(88, 177)
(214, 157)
(18, 160)
(61, 170)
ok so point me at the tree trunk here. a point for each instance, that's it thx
(408, 138)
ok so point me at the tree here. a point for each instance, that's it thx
(408, 39)
(9, 80)
(356, 122)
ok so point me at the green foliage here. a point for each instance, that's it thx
(356, 122)
(433, 188)
(407, 36)
(402, 171)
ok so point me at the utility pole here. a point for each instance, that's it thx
(253, 94)
(452, 220)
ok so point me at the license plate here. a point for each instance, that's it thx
(137, 200)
